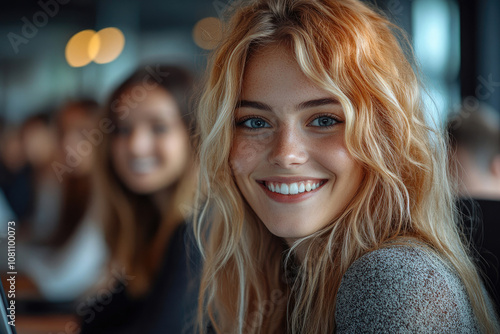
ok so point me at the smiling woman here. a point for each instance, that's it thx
(146, 170)
(297, 132)
(151, 146)
(325, 200)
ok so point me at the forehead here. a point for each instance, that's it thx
(143, 104)
(272, 74)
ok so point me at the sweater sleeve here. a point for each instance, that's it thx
(402, 289)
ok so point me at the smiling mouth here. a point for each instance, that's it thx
(143, 165)
(293, 188)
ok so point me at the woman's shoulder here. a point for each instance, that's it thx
(403, 288)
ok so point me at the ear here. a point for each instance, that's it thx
(495, 166)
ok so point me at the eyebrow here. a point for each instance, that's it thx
(253, 104)
(302, 105)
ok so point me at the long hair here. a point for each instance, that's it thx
(135, 231)
(352, 51)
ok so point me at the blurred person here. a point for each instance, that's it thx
(6, 211)
(15, 174)
(6, 214)
(11, 153)
(146, 177)
(74, 120)
(65, 256)
(40, 148)
(474, 135)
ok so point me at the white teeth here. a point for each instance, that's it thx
(292, 188)
(277, 189)
(143, 165)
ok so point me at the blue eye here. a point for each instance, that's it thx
(324, 121)
(254, 123)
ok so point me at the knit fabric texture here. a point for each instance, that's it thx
(403, 289)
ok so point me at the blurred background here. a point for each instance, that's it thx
(43, 68)
(455, 41)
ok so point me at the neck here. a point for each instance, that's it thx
(163, 201)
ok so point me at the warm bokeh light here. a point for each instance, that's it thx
(94, 46)
(101, 47)
(207, 33)
(111, 43)
(78, 48)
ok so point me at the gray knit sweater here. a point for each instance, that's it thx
(403, 289)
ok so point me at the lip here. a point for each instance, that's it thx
(289, 198)
(291, 179)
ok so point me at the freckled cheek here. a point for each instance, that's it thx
(335, 157)
(245, 155)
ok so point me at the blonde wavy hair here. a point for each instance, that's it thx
(352, 51)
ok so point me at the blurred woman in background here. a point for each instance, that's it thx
(74, 120)
(474, 135)
(40, 149)
(15, 175)
(146, 175)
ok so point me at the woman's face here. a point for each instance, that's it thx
(151, 148)
(289, 157)
(39, 144)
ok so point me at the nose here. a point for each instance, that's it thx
(288, 148)
(140, 142)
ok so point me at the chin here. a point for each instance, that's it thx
(142, 189)
(289, 229)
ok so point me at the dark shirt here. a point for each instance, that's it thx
(169, 307)
(482, 223)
